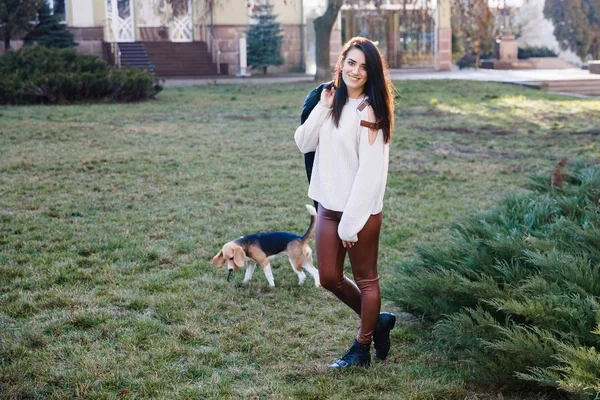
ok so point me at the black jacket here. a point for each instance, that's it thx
(309, 103)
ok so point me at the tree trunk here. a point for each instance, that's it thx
(323, 26)
(6, 40)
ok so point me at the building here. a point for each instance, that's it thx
(409, 33)
(202, 37)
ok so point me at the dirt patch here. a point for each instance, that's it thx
(492, 130)
(591, 132)
(240, 117)
(460, 131)
(498, 132)
(482, 153)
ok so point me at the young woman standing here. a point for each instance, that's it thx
(350, 130)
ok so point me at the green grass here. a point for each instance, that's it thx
(110, 215)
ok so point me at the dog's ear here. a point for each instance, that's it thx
(239, 257)
(218, 260)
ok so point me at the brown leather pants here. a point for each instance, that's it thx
(364, 296)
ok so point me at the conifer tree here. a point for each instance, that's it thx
(264, 39)
(49, 32)
(15, 17)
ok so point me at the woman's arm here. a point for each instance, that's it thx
(307, 135)
(372, 154)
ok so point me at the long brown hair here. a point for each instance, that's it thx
(379, 87)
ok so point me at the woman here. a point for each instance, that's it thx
(350, 130)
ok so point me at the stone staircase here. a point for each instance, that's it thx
(181, 59)
(169, 59)
(134, 55)
(588, 87)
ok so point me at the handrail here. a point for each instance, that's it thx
(213, 45)
(118, 56)
(216, 53)
(116, 52)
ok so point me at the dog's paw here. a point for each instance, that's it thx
(242, 285)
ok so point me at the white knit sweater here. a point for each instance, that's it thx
(349, 174)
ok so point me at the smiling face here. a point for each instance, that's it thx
(354, 72)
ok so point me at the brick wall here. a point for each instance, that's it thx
(228, 41)
(89, 40)
(444, 55)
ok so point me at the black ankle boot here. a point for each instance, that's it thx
(381, 337)
(357, 356)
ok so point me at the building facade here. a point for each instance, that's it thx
(175, 32)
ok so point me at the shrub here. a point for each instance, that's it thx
(36, 75)
(528, 52)
(514, 290)
(468, 60)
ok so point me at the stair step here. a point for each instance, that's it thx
(180, 59)
(589, 87)
(133, 55)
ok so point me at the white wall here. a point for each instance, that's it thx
(82, 16)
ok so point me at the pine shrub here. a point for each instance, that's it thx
(264, 39)
(49, 31)
(526, 52)
(515, 290)
(39, 75)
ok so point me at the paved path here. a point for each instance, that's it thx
(488, 75)
(509, 76)
(252, 80)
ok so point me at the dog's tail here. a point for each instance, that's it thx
(313, 222)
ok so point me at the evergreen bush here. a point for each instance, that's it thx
(37, 74)
(468, 60)
(49, 31)
(527, 52)
(264, 39)
(514, 291)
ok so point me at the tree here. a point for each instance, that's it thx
(264, 39)
(16, 16)
(49, 32)
(323, 26)
(473, 23)
(576, 25)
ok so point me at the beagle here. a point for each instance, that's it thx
(257, 248)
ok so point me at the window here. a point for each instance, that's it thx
(59, 8)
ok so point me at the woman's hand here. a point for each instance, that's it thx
(327, 96)
(348, 244)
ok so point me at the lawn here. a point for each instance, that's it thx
(110, 216)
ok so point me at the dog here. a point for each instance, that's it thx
(257, 248)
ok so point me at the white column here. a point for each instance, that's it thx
(243, 58)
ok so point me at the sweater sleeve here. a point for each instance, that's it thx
(307, 134)
(366, 186)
